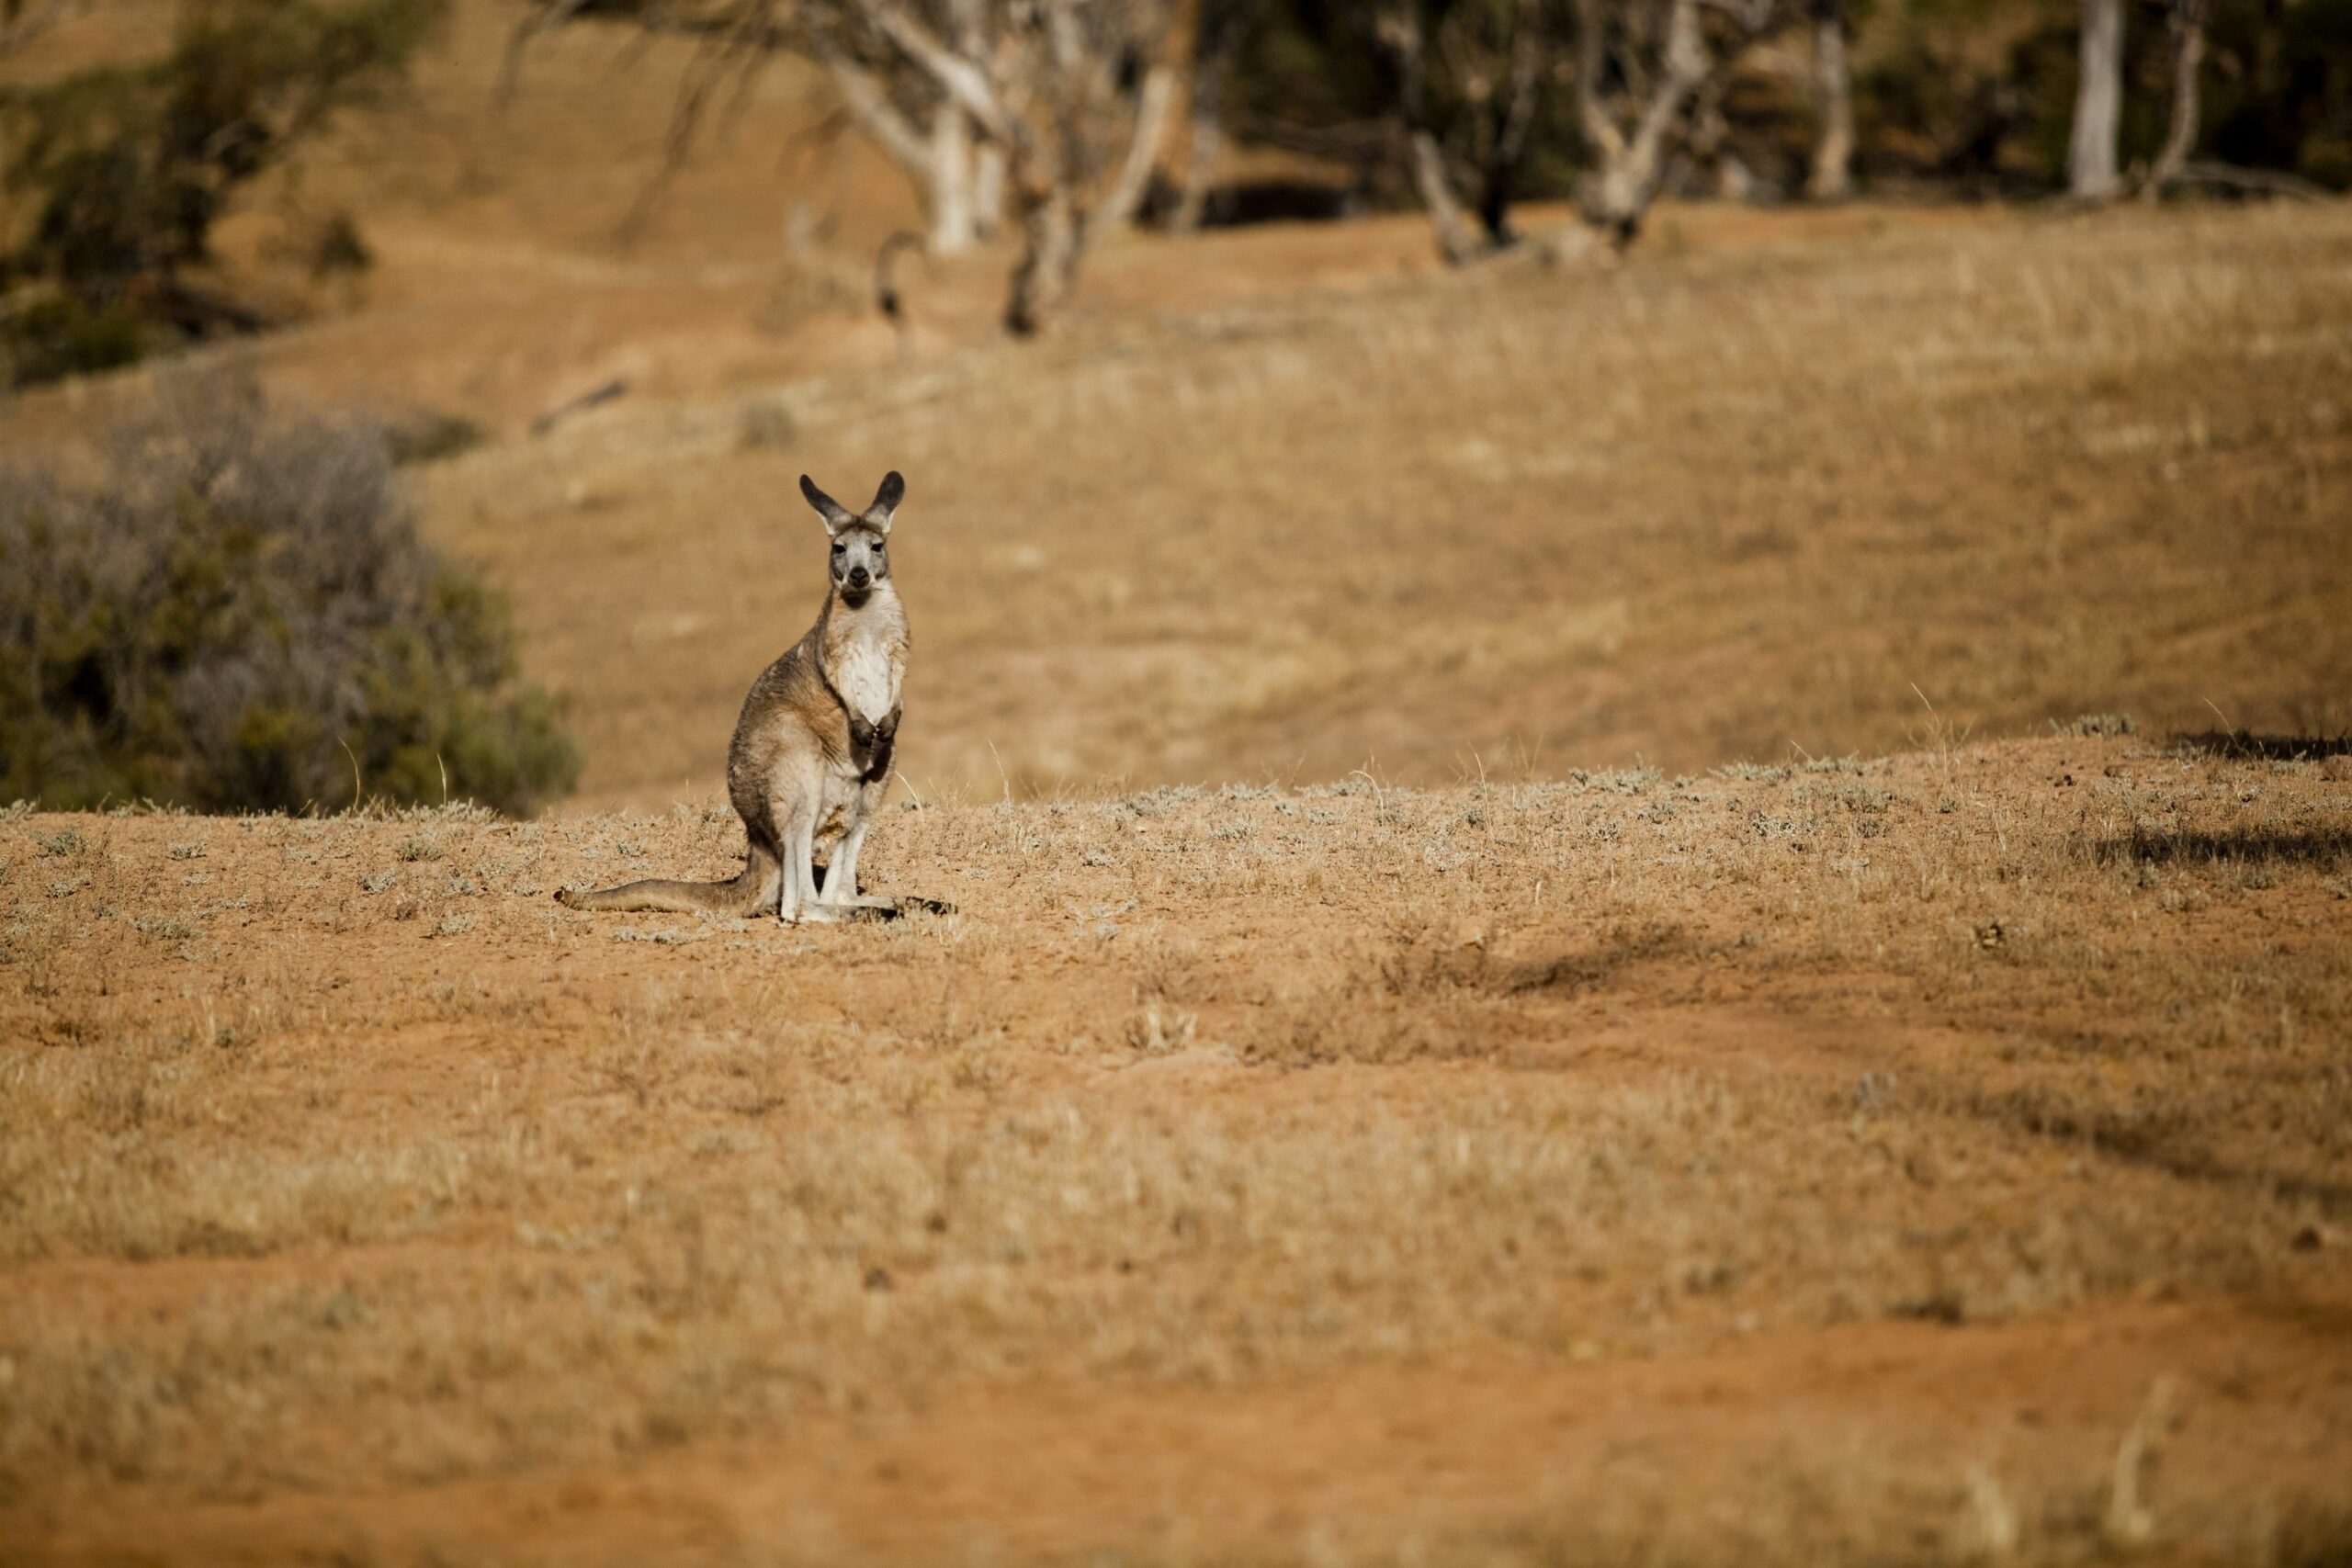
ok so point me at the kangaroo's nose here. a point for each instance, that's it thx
(859, 577)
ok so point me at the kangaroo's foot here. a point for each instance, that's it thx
(863, 910)
(890, 909)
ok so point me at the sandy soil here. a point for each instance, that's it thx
(1876, 1159)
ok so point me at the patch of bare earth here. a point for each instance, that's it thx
(1940, 1158)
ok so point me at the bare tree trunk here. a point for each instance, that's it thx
(1399, 28)
(2098, 103)
(1634, 167)
(1509, 147)
(1052, 242)
(938, 163)
(954, 224)
(1832, 178)
(2187, 56)
(1215, 48)
(1038, 94)
(1455, 242)
(1125, 198)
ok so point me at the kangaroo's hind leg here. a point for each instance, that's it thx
(840, 875)
(795, 825)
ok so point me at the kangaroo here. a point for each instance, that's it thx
(810, 760)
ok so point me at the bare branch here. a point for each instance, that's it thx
(961, 79)
(875, 114)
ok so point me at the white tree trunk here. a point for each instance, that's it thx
(1398, 27)
(938, 161)
(2188, 57)
(955, 220)
(1455, 242)
(1832, 178)
(2098, 104)
(1634, 167)
(1125, 198)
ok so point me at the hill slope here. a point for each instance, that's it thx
(1283, 502)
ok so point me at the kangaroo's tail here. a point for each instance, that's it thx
(753, 890)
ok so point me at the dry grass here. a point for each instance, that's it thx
(1730, 504)
(333, 1148)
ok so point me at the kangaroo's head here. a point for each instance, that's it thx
(861, 560)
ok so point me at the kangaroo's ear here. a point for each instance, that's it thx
(835, 514)
(886, 499)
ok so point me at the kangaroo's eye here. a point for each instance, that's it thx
(839, 547)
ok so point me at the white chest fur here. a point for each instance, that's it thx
(866, 673)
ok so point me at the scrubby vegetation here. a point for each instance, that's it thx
(1955, 96)
(125, 169)
(240, 613)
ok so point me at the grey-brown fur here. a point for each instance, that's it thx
(811, 756)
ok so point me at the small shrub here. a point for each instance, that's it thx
(241, 617)
(52, 339)
(767, 427)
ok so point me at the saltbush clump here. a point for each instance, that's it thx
(234, 610)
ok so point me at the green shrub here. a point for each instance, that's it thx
(122, 171)
(241, 616)
(52, 339)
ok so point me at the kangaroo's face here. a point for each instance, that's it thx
(860, 561)
(861, 556)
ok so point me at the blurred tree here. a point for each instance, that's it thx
(1642, 65)
(917, 125)
(1487, 102)
(2098, 103)
(1472, 129)
(1067, 98)
(1219, 31)
(2186, 21)
(1466, 108)
(124, 170)
(1832, 176)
